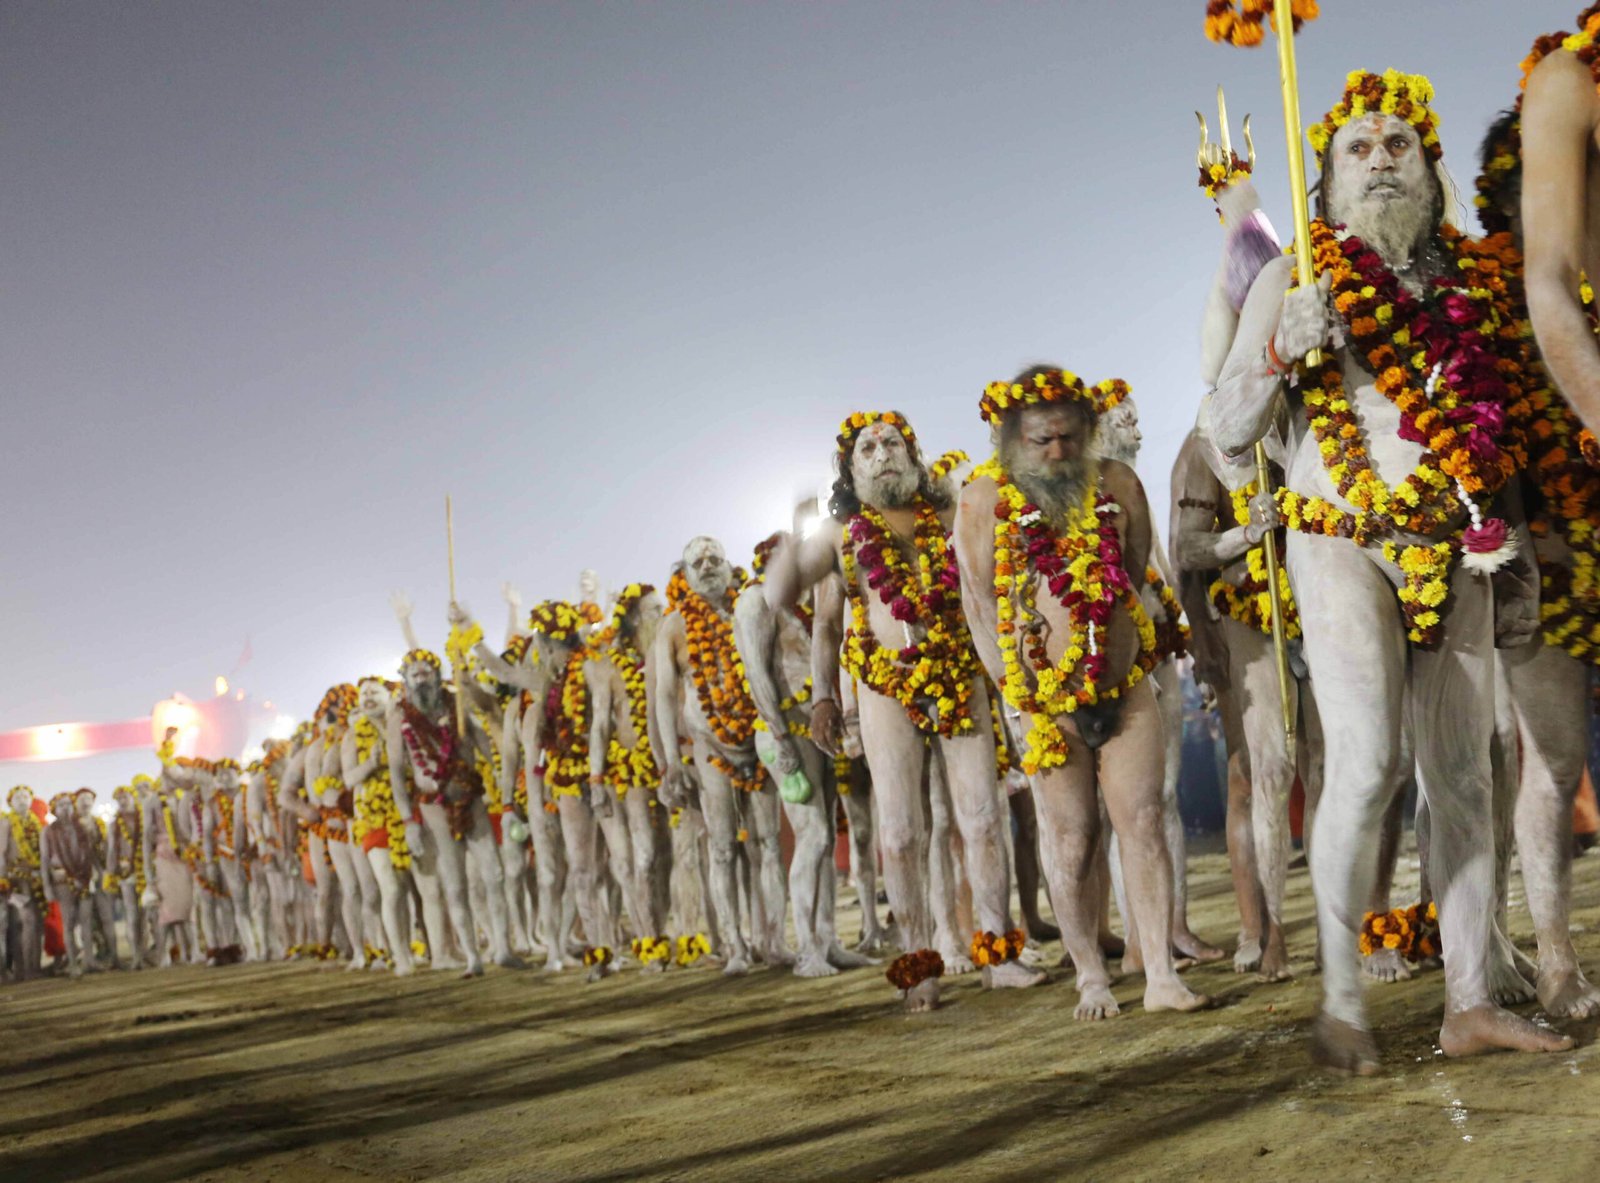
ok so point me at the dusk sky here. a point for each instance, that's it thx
(279, 276)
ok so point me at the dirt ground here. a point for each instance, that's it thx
(290, 1072)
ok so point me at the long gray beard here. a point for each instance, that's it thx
(889, 490)
(1057, 489)
(429, 699)
(1396, 230)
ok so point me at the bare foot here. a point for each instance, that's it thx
(813, 965)
(403, 971)
(472, 971)
(1342, 1047)
(842, 958)
(1247, 957)
(956, 964)
(653, 967)
(922, 997)
(1011, 975)
(1386, 965)
(1480, 1029)
(1095, 1002)
(446, 963)
(1033, 956)
(1506, 986)
(1567, 994)
(1173, 995)
(1192, 947)
(779, 955)
(738, 965)
(1274, 963)
(873, 944)
(554, 965)
(1038, 930)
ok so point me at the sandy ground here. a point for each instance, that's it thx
(292, 1073)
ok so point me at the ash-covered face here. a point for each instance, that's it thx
(423, 684)
(127, 802)
(83, 803)
(881, 466)
(1380, 185)
(1117, 435)
(227, 780)
(373, 699)
(20, 798)
(705, 566)
(1047, 450)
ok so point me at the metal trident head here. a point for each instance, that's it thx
(1222, 153)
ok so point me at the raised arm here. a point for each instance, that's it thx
(401, 604)
(1250, 387)
(795, 566)
(394, 742)
(1558, 114)
(294, 775)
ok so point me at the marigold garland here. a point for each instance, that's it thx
(375, 807)
(910, 970)
(692, 948)
(649, 950)
(631, 767)
(720, 686)
(565, 738)
(1172, 630)
(1216, 177)
(1242, 22)
(1455, 368)
(1080, 564)
(1411, 932)
(988, 949)
(1248, 601)
(597, 955)
(859, 421)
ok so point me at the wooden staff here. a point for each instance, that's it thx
(450, 553)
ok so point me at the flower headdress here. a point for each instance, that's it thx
(226, 764)
(627, 599)
(861, 420)
(340, 699)
(1405, 96)
(142, 780)
(1050, 386)
(1240, 23)
(557, 620)
(424, 656)
(11, 792)
(61, 804)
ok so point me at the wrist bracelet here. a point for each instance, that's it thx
(1275, 363)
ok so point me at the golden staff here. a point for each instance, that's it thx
(450, 553)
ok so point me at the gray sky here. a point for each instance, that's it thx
(278, 276)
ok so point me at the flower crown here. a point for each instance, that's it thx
(861, 420)
(339, 699)
(11, 792)
(141, 780)
(56, 804)
(627, 599)
(1503, 160)
(1405, 96)
(556, 619)
(226, 764)
(424, 656)
(1050, 386)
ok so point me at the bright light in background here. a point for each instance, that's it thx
(282, 727)
(252, 753)
(57, 741)
(179, 713)
(105, 810)
(222, 685)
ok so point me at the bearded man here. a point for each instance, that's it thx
(313, 791)
(1550, 678)
(272, 891)
(1117, 437)
(623, 777)
(67, 860)
(425, 749)
(125, 867)
(700, 677)
(1390, 504)
(920, 692)
(1050, 590)
(1560, 200)
(378, 835)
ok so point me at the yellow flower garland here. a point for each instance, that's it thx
(1016, 587)
(1249, 602)
(375, 804)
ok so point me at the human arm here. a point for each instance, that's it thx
(974, 543)
(510, 750)
(1558, 128)
(798, 564)
(755, 634)
(513, 599)
(354, 769)
(1250, 387)
(665, 690)
(400, 603)
(602, 725)
(827, 634)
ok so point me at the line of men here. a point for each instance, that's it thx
(1431, 479)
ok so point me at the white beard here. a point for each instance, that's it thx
(1394, 229)
(889, 490)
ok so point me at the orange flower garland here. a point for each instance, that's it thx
(910, 970)
(988, 949)
(1455, 369)
(717, 672)
(1241, 22)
